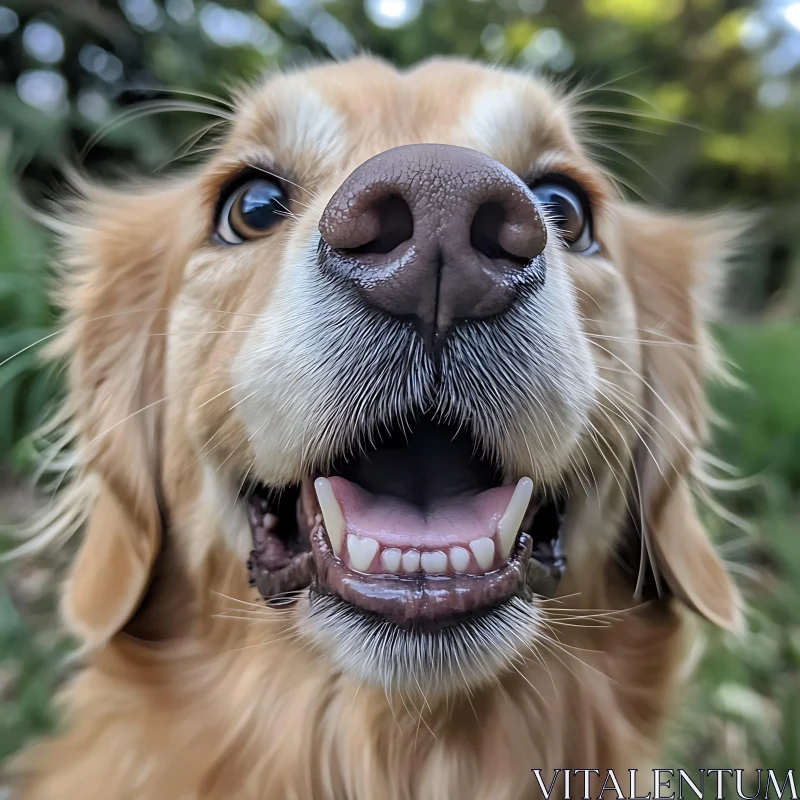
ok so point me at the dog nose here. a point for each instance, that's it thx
(436, 234)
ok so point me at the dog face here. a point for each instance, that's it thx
(400, 356)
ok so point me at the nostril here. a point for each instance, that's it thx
(511, 231)
(484, 235)
(395, 225)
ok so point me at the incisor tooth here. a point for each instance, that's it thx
(391, 559)
(459, 558)
(434, 562)
(361, 550)
(508, 527)
(331, 513)
(484, 552)
(410, 561)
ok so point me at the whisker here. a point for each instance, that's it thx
(289, 637)
(614, 123)
(29, 347)
(200, 333)
(179, 90)
(229, 456)
(258, 168)
(188, 146)
(644, 380)
(102, 317)
(148, 109)
(649, 342)
(629, 112)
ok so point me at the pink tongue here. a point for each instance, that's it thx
(394, 523)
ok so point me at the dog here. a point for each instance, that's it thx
(386, 418)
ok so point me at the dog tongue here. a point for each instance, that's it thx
(446, 521)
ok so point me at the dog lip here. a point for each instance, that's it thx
(280, 586)
(279, 569)
(419, 598)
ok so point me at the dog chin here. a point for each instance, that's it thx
(464, 654)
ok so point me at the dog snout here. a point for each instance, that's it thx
(436, 234)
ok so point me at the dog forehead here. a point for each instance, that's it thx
(337, 112)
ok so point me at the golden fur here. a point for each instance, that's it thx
(189, 691)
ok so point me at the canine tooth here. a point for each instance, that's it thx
(362, 550)
(484, 552)
(410, 561)
(390, 559)
(331, 513)
(508, 527)
(459, 558)
(434, 562)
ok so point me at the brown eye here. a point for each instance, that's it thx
(569, 208)
(251, 210)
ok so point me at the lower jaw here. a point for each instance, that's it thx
(431, 661)
(419, 599)
(435, 634)
(409, 601)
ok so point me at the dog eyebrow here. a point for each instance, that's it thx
(524, 127)
(308, 126)
(513, 122)
(286, 127)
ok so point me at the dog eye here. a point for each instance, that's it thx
(569, 208)
(251, 210)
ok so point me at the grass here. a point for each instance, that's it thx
(32, 664)
(743, 708)
(33, 648)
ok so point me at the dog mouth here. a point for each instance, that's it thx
(419, 528)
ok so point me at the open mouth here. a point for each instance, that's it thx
(418, 528)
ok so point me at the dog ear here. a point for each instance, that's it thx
(674, 265)
(124, 253)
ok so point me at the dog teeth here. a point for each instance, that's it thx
(510, 522)
(331, 514)
(483, 550)
(391, 559)
(410, 560)
(434, 562)
(459, 558)
(361, 550)
(366, 555)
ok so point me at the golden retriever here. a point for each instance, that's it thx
(386, 417)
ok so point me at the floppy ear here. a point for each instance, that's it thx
(124, 253)
(674, 265)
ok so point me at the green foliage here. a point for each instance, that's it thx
(31, 667)
(742, 708)
(763, 429)
(27, 319)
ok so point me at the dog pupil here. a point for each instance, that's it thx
(565, 208)
(260, 204)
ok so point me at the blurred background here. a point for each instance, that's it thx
(692, 104)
